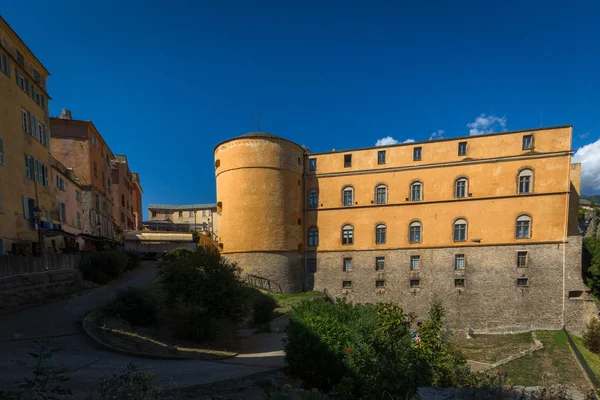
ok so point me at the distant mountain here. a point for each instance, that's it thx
(595, 198)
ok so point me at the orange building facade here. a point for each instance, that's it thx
(487, 220)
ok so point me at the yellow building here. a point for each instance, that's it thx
(25, 182)
(486, 222)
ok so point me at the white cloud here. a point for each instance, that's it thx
(439, 134)
(486, 124)
(388, 140)
(589, 157)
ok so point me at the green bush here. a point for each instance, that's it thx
(368, 350)
(178, 253)
(591, 336)
(138, 306)
(195, 324)
(128, 384)
(591, 261)
(263, 308)
(103, 266)
(205, 280)
(134, 259)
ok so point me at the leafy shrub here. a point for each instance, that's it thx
(367, 351)
(133, 259)
(103, 266)
(178, 253)
(591, 336)
(205, 280)
(138, 306)
(263, 308)
(196, 324)
(591, 261)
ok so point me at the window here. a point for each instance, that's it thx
(97, 202)
(416, 192)
(180, 214)
(381, 157)
(78, 220)
(347, 160)
(414, 235)
(348, 196)
(1, 152)
(313, 198)
(417, 151)
(459, 261)
(36, 75)
(313, 236)
(122, 217)
(521, 259)
(380, 234)
(312, 164)
(204, 213)
(459, 282)
(347, 284)
(28, 167)
(167, 214)
(381, 194)
(4, 67)
(95, 169)
(347, 235)
(523, 227)
(77, 195)
(191, 213)
(379, 263)
(527, 142)
(94, 140)
(379, 284)
(25, 120)
(525, 181)
(60, 182)
(414, 283)
(462, 148)
(20, 58)
(522, 282)
(461, 187)
(62, 213)
(415, 262)
(311, 264)
(347, 266)
(460, 230)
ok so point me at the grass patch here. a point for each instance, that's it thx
(491, 348)
(285, 301)
(592, 359)
(552, 365)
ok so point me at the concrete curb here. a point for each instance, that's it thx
(86, 322)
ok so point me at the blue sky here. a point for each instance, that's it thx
(166, 81)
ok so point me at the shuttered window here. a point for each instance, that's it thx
(1, 152)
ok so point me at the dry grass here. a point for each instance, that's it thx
(492, 348)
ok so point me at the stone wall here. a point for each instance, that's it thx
(490, 301)
(284, 268)
(16, 265)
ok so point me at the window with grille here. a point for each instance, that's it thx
(415, 283)
(379, 263)
(346, 284)
(521, 282)
(459, 261)
(347, 265)
(380, 284)
(415, 262)
(459, 282)
(311, 264)
(521, 259)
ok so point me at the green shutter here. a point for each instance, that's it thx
(1, 151)
(25, 207)
(47, 136)
(34, 131)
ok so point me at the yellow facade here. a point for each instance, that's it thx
(24, 131)
(491, 205)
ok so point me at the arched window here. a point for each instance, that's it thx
(523, 227)
(313, 198)
(381, 194)
(461, 187)
(525, 181)
(380, 234)
(313, 236)
(348, 196)
(347, 234)
(460, 230)
(416, 191)
(414, 232)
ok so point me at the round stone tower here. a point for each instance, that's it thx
(259, 202)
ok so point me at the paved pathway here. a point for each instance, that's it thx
(88, 361)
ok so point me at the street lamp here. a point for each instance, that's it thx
(37, 212)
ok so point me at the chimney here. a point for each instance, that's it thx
(65, 114)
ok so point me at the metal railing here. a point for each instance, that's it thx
(263, 283)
